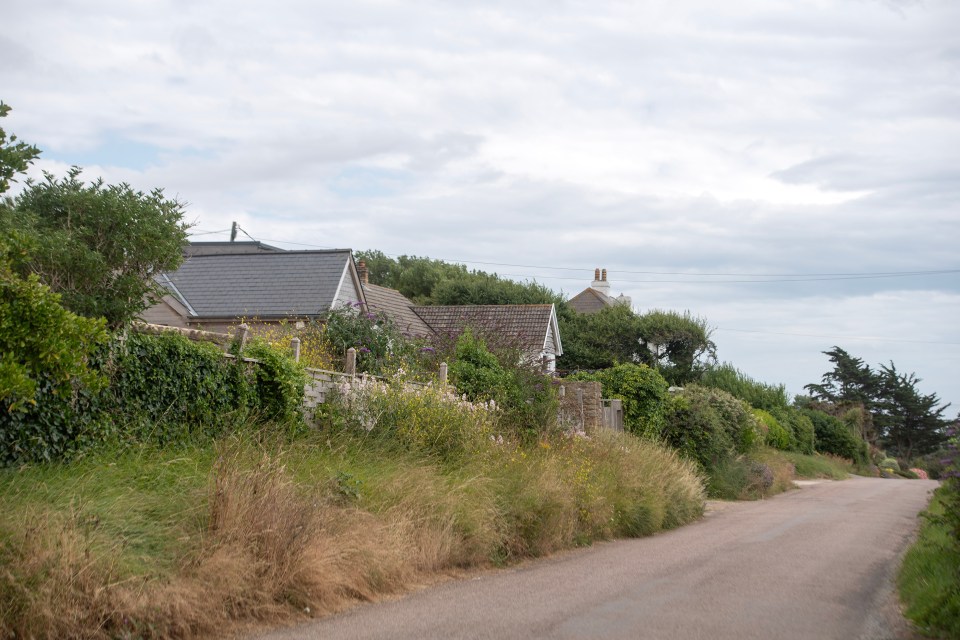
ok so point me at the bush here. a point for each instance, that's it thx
(776, 436)
(709, 425)
(278, 383)
(644, 395)
(166, 387)
(834, 436)
(525, 397)
(421, 418)
(890, 463)
(738, 384)
(801, 430)
(46, 381)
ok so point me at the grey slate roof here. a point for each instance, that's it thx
(261, 285)
(397, 307)
(219, 248)
(525, 323)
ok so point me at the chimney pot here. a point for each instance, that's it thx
(604, 276)
(596, 273)
(362, 272)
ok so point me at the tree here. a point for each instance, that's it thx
(599, 340)
(909, 422)
(15, 156)
(98, 246)
(679, 344)
(851, 381)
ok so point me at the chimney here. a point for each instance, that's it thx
(600, 282)
(363, 273)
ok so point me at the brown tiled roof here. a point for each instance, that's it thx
(395, 306)
(526, 323)
(590, 301)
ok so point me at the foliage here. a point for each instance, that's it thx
(929, 579)
(427, 281)
(644, 395)
(278, 383)
(891, 408)
(709, 425)
(738, 384)
(680, 344)
(525, 396)
(802, 433)
(98, 246)
(422, 418)
(819, 466)
(316, 350)
(46, 380)
(776, 435)
(166, 388)
(15, 156)
(835, 437)
(599, 340)
(381, 347)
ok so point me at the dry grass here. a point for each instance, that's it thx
(276, 536)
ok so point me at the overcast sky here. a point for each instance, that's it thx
(788, 169)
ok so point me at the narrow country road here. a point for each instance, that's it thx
(814, 563)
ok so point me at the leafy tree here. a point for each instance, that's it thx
(643, 392)
(679, 344)
(98, 246)
(484, 288)
(599, 340)
(851, 381)
(15, 156)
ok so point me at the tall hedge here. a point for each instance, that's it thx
(643, 392)
(710, 425)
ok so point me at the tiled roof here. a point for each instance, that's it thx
(395, 306)
(262, 285)
(527, 323)
(590, 301)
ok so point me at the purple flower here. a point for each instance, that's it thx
(364, 350)
(427, 350)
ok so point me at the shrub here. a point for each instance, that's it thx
(776, 436)
(166, 387)
(801, 430)
(890, 463)
(526, 397)
(46, 381)
(279, 382)
(709, 425)
(644, 395)
(833, 436)
(423, 418)
(761, 395)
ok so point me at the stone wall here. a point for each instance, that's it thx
(580, 405)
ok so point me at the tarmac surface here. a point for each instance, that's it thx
(818, 562)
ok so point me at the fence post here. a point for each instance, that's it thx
(443, 374)
(241, 337)
(350, 366)
(295, 347)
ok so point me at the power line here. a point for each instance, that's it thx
(817, 335)
(744, 278)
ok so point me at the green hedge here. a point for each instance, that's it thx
(834, 436)
(643, 392)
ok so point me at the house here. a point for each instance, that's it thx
(532, 328)
(218, 286)
(597, 296)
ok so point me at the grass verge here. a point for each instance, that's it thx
(819, 465)
(183, 542)
(929, 579)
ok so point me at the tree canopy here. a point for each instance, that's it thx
(15, 156)
(901, 417)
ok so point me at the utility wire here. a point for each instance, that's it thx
(817, 335)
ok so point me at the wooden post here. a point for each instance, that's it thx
(350, 366)
(562, 391)
(295, 347)
(240, 338)
(544, 364)
(443, 374)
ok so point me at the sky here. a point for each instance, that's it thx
(787, 169)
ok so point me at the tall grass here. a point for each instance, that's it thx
(148, 542)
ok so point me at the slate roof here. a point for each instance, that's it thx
(590, 301)
(263, 285)
(218, 248)
(528, 323)
(397, 307)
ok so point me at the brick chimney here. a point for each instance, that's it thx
(363, 273)
(600, 281)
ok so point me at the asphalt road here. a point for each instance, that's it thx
(814, 563)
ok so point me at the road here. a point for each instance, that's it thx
(818, 563)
